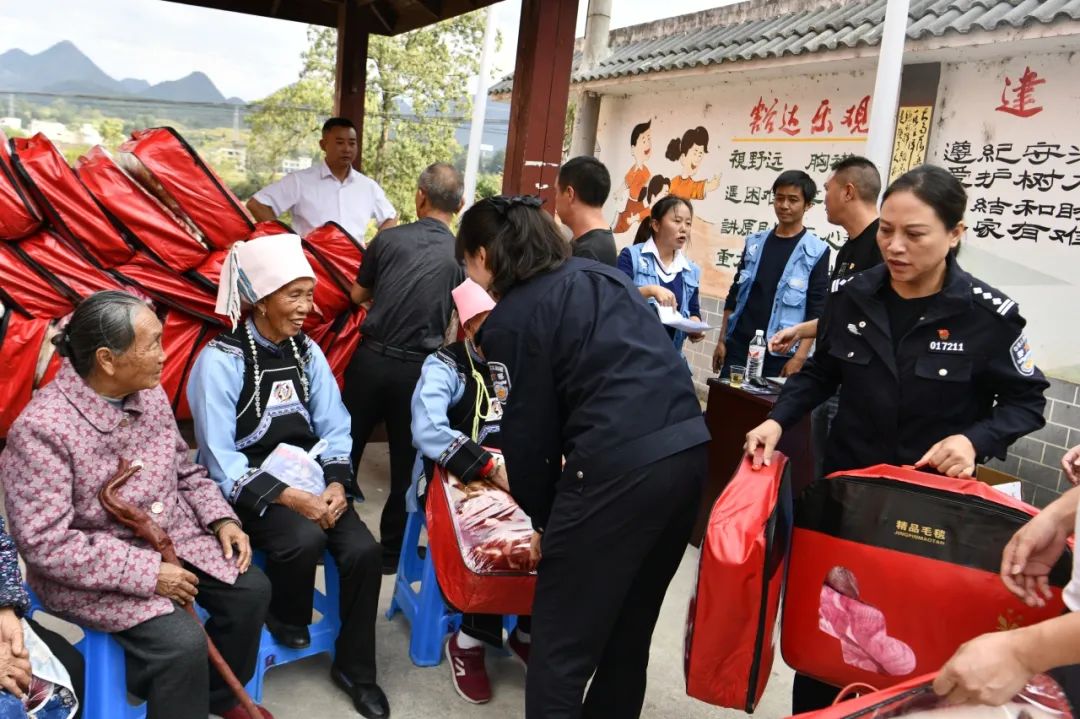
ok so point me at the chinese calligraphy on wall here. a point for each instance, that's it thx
(774, 117)
(912, 139)
(1016, 192)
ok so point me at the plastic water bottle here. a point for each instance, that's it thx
(755, 358)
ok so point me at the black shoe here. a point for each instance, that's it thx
(421, 551)
(288, 635)
(368, 699)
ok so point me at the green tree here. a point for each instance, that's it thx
(112, 132)
(417, 94)
(488, 185)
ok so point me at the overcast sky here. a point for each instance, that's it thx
(246, 56)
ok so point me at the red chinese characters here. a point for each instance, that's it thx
(767, 119)
(820, 122)
(763, 117)
(857, 117)
(1022, 102)
(790, 124)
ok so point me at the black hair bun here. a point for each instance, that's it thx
(62, 343)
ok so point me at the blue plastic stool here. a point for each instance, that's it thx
(323, 632)
(106, 676)
(106, 679)
(429, 617)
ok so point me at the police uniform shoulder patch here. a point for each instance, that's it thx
(500, 380)
(993, 300)
(1023, 357)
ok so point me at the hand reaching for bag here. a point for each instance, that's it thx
(499, 479)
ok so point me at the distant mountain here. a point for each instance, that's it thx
(132, 85)
(62, 66)
(196, 87)
(64, 69)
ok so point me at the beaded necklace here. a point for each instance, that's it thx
(258, 374)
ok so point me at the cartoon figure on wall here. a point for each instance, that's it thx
(689, 151)
(636, 182)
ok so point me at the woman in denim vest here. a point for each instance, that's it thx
(661, 271)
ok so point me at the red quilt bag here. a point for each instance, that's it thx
(170, 238)
(183, 338)
(732, 621)
(339, 340)
(892, 569)
(167, 163)
(331, 293)
(71, 209)
(19, 216)
(24, 290)
(479, 542)
(343, 251)
(20, 346)
(170, 289)
(64, 268)
(1042, 698)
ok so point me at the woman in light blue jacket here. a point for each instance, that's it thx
(659, 267)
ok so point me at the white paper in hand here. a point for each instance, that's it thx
(671, 318)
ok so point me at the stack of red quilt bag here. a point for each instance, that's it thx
(154, 220)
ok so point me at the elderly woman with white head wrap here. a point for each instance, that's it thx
(274, 433)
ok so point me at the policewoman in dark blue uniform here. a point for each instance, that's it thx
(588, 375)
(933, 365)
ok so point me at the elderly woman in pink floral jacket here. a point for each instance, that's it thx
(105, 405)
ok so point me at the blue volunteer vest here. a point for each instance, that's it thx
(789, 306)
(646, 272)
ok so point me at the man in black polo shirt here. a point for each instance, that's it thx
(580, 193)
(407, 274)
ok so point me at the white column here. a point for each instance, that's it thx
(479, 113)
(890, 68)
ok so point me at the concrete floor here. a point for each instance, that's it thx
(303, 691)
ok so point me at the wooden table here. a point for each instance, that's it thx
(730, 414)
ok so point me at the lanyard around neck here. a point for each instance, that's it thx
(483, 399)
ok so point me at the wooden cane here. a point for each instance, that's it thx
(144, 527)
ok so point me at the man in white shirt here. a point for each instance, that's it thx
(331, 191)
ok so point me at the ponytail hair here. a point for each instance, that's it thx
(659, 210)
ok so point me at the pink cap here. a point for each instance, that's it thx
(471, 299)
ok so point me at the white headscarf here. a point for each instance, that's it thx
(258, 268)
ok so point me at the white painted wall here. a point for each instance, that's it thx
(724, 109)
(1042, 275)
